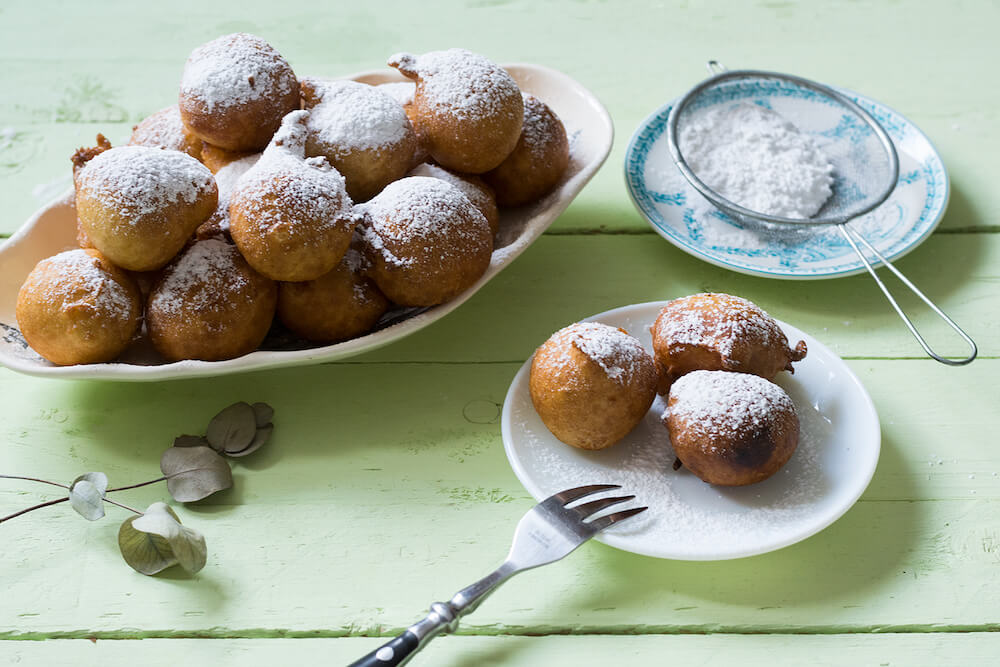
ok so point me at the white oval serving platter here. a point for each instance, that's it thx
(688, 519)
(53, 229)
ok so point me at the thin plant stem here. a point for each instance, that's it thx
(34, 479)
(126, 507)
(34, 507)
(136, 486)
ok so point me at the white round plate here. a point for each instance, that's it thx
(682, 216)
(53, 229)
(688, 519)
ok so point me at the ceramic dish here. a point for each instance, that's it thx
(688, 519)
(682, 216)
(53, 229)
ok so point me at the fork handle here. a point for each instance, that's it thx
(398, 650)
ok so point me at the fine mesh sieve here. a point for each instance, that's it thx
(866, 165)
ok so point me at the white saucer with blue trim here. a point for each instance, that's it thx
(682, 216)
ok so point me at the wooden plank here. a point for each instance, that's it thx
(648, 55)
(922, 650)
(380, 472)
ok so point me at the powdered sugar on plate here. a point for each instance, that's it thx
(688, 519)
(346, 115)
(620, 355)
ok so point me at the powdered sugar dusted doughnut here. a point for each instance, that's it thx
(139, 205)
(226, 179)
(473, 187)
(402, 92)
(720, 332)
(164, 129)
(338, 305)
(468, 108)
(731, 429)
(291, 216)
(537, 163)
(78, 308)
(210, 305)
(591, 384)
(235, 90)
(425, 240)
(361, 130)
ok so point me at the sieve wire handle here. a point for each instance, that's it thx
(852, 238)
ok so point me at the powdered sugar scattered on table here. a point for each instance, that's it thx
(754, 157)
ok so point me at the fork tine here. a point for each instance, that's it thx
(605, 521)
(569, 495)
(587, 509)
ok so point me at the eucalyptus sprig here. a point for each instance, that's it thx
(193, 468)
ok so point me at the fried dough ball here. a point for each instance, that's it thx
(139, 205)
(591, 384)
(425, 240)
(164, 129)
(210, 305)
(473, 187)
(731, 429)
(537, 163)
(217, 159)
(235, 90)
(468, 108)
(226, 178)
(338, 305)
(291, 216)
(402, 92)
(78, 308)
(361, 130)
(720, 332)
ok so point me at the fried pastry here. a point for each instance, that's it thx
(720, 332)
(473, 187)
(425, 240)
(402, 92)
(731, 429)
(468, 108)
(591, 384)
(217, 225)
(217, 159)
(78, 308)
(291, 216)
(139, 205)
(164, 129)
(538, 161)
(235, 90)
(209, 304)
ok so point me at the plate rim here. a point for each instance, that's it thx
(620, 542)
(682, 244)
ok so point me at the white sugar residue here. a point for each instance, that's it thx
(139, 180)
(348, 116)
(401, 91)
(461, 82)
(163, 129)
(714, 403)
(233, 70)
(686, 517)
(620, 355)
(202, 280)
(75, 277)
(418, 210)
(754, 157)
(480, 197)
(537, 130)
(7, 136)
(715, 321)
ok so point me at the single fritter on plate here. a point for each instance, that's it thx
(361, 130)
(235, 90)
(538, 161)
(716, 332)
(731, 429)
(209, 304)
(425, 240)
(591, 384)
(164, 129)
(139, 205)
(468, 108)
(78, 308)
(290, 215)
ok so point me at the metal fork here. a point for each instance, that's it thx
(548, 532)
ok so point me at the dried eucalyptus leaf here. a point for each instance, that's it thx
(233, 429)
(264, 414)
(262, 436)
(194, 473)
(86, 495)
(156, 540)
(190, 441)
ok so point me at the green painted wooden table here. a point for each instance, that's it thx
(390, 465)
